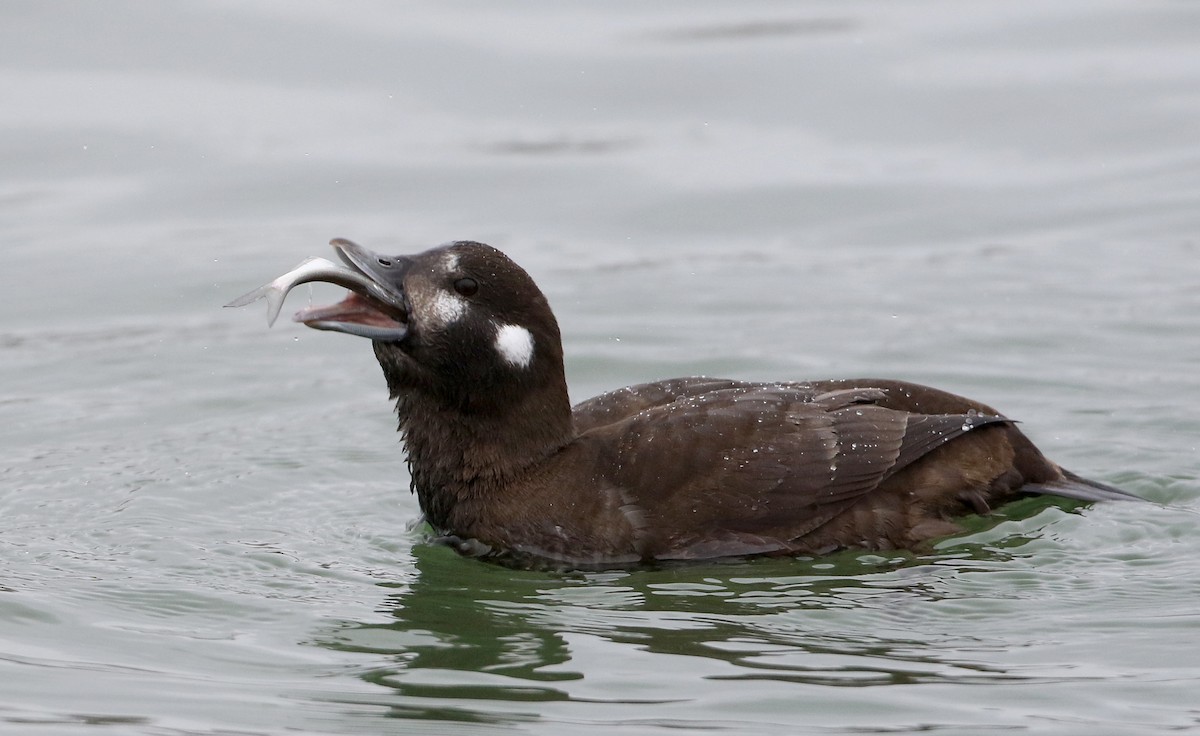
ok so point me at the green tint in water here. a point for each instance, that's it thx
(475, 643)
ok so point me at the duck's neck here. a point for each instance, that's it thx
(465, 458)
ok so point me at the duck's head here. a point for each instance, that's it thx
(461, 321)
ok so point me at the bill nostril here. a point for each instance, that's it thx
(384, 262)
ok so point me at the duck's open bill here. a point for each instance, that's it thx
(371, 311)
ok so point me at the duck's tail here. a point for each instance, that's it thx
(1081, 489)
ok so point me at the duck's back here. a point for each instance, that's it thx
(712, 467)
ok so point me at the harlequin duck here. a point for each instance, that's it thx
(687, 468)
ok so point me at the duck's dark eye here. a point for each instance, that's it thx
(466, 286)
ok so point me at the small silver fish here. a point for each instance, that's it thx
(312, 269)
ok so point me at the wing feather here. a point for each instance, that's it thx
(751, 466)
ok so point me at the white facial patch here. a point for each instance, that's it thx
(450, 262)
(447, 308)
(515, 345)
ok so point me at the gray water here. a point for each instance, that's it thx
(204, 523)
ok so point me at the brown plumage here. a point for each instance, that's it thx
(688, 468)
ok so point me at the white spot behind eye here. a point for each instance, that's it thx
(447, 308)
(515, 345)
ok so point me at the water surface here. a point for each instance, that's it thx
(205, 522)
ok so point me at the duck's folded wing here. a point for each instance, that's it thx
(742, 471)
